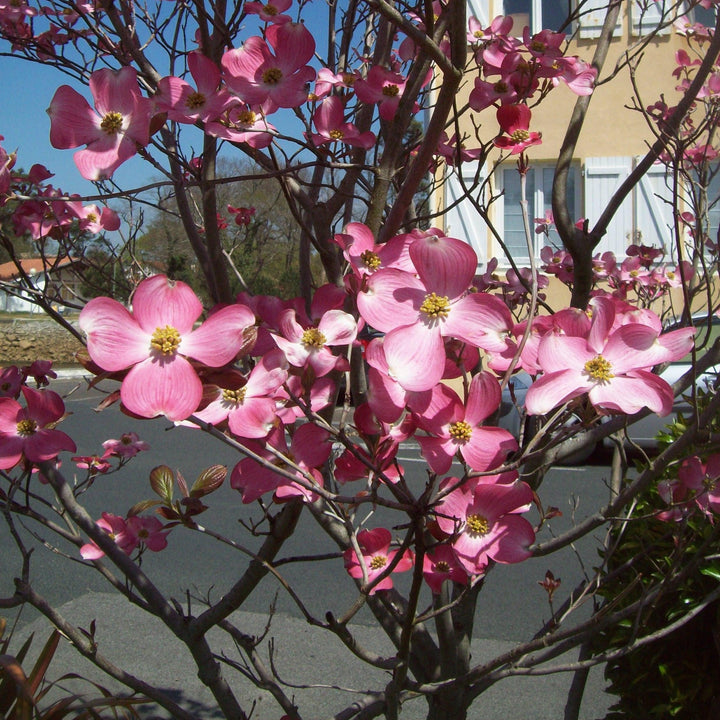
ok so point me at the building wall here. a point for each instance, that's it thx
(613, 138)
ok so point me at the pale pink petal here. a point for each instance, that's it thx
(559, 352)
(640, 389)
(219, 339)
(481, 320)
(338, 327)
(114, 340)
(392, 298)
(553, 389)
(162, 387)
(254, 418)
(415, 356)
(159, 301)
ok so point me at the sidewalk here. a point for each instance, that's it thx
(304, 655)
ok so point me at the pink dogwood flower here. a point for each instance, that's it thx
(458, 428)
(482, 523)
(185, 104)
(271, 12)
(259, 77)
(514, 121)
(329, 120)
(375, 548)
(128, 446)
(417, 312)
(383, 87)
(441, 564)
(309, 449)
(311, 346)
(610, 362)
(29, 432)
(155, 340)
(250, 409)
(111, 132)
(116, 528)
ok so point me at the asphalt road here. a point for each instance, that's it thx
(512, 605)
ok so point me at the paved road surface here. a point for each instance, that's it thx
(512, 605)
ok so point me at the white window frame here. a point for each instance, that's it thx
(593, 17)
(540, 203)
(536, 14)
(646, 15)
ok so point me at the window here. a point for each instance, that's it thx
(704, 16)
(538, 14)
(539, 197)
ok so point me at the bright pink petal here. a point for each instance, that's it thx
(162, 387)
(159, 301)
(553, 389)
(630, 394)
(487, 448)
(484, 397)
(254, 418)
(114, 339)
(73, 121)
(219, 339)
(415, 356)
(445, 265)
(392, 298)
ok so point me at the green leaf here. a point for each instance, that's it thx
(712, 571)
(142, 506)
(209, 481)
(162, 480)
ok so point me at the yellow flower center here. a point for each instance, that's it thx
(234, 397)
(390, 90)
(195, 100)
(670, 275)
(348, 78)
(26, 427)
(378, 562)
(599, 369)
(371, 259)
(442, 566)
(460, 431)
(336, 134)
(435, 306)
(91, 217)
(476, 525)
(520, 136)
(500, 86)
(143, 533)
(246, 117)
(166, 340)
(538, 46)
(312, 337)
(112, 122)
(272, 76)
(270, 9)
(634, 273)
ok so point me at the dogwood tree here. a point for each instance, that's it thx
(325, 99)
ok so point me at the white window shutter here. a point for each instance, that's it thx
(603, 177)
(462, 220)
(653, 214)
(481, 10)
(647, 15)
(592, 18)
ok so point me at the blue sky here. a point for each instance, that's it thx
(28, 89)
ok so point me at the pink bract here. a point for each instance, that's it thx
(28, 432)
(156, 339)
(111, 132)
(377, 556)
